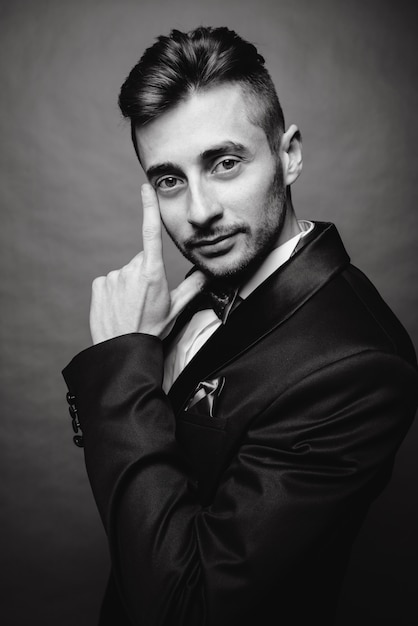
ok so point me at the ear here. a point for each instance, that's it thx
(291, 154)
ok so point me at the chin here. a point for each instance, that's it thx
(236, 269)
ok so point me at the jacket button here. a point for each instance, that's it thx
(72, 411)
(70, 398)
(75, 422)
(78, 440)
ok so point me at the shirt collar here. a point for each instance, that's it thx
(277, 257)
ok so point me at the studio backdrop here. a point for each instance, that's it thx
(346, 74)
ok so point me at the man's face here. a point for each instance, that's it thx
(220, 189)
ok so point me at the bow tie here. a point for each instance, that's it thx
(219, 296)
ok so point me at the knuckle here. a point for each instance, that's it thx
(152, 268)
(139, 257)
(151, 273)
(97, 283)
(148, 275)
(149, 233)
(133, 265)
(126, 269)
(113, 275)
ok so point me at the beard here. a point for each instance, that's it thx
(262, 241)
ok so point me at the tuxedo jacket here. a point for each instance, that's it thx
(235, 498)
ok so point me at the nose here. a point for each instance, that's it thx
(204, 208)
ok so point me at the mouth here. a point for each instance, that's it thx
(214, 246)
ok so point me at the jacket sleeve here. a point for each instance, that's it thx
(302, 463)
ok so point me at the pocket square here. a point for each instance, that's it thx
(206, 394)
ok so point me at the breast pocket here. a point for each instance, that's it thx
(203, 440)
(201, 434)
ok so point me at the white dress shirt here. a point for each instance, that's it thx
(204, 323)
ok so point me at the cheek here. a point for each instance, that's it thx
(170, 216)
(176, 225)
(248, 198)
(171, 229)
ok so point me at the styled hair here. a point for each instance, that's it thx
(182, 63)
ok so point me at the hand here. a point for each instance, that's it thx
(136, 298)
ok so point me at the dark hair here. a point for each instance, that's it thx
(182, 63)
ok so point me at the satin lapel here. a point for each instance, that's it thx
(275, 300)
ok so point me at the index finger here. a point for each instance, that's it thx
(151, 226)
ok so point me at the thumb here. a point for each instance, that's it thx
(186, 291)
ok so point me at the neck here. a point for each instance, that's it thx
(290, 226)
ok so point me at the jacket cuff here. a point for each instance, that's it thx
(93, 371)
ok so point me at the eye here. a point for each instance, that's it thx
(226, 165)
(168, 183)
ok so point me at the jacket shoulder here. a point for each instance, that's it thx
(370, 311)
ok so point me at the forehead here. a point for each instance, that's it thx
(206, 119)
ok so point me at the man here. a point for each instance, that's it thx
(232, 454)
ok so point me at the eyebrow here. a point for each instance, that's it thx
(225, 147)
(164, 168)
(168, 167)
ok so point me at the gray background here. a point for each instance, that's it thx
(346, 73)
